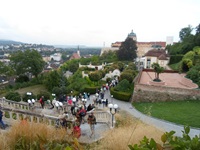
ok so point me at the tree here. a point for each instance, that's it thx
(127, 50)
(158, 69)
(185, 32)
(95, 76)
(127, 75)
(52, 80)
(5, 70)
(71, 65)
(29, 61)
(197, 36)
(194, 74)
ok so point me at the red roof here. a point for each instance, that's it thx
(159, 53)
(75, 56)
(163, 44)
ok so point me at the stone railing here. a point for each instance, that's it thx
(13, 115)
(16, 111)
(25, 106)
(102, 117)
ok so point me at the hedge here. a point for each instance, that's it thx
(91, 90)
(123, 96)
(175, 59)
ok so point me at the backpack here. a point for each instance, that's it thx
(82, 113)
(1, 114)
(92, 119)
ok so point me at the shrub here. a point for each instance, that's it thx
(124, 96)
(170, 142)
(122, 85)
(175, 59)
(46, 95)
(91, 90)
(14, 96)
(22, 78)
(194, 74)
(127, 75)
(26, 97)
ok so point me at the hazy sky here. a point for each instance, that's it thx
(93, 22)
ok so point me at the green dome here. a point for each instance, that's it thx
(132, 34)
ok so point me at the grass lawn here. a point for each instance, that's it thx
(179, 112)
(175, 66)
(36, 89)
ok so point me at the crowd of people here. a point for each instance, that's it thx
(79, 108)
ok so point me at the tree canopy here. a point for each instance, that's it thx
(127, 50)
(188, 40)
(29, 61)
(158, 69)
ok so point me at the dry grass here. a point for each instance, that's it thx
(129, 131)
(32, 133)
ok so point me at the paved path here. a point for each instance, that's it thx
(160, 124)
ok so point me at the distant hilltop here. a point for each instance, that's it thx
(9, 42)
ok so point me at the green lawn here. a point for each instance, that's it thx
(36, 89)
(179, 112)
(175, 66)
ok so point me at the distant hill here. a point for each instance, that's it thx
(74, 46)
(8, 42)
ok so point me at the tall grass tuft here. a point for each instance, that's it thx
(35, 136)
(129, 130)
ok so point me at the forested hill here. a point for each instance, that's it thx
(9, 42)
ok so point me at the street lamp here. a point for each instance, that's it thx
(29, 98)
(84, 101)
(74, 100)
(113, 110)
(111, 98)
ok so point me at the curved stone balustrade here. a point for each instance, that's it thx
(25, 106)
(16, 111)
(12, 115)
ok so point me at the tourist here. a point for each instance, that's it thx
(91, 121)
(42, 102)
(82, 114)
(1, 116)
(89, 108)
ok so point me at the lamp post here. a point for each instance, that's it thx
(29, 98)
(74, 100)
(111, 98)
(113, 110)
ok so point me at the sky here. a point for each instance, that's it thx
(95, 22)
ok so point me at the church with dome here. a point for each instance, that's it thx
(143, 47)
(132, 35)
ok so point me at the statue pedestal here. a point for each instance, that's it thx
(161, 83)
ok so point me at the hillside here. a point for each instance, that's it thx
(9, 42)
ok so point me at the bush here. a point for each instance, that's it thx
(170, 142)
(127, 75)
(26, 97)
(175, 59)
(22, 78)
(194, 74)
(57, 91)
(124, 96)
(14, 96)
(46, 95)
(91, 90)
(122, 85)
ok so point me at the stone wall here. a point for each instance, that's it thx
(151, 93)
